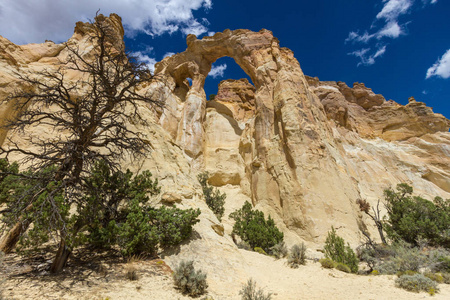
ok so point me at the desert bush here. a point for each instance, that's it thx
(446, 278)
(411, 218)
(327, 263)
(416, 283)
(118, 212)
(279, 250)
(336, 250)
(214, 198)
(373, 254)
(407, 272)
(244, 245)
(131, 272)
(404, 257)
(297, 256)
(188, 280)
(439, 260)
(251, 226)
(436, 277)
(343, 267)
(174, 225)
(249, 292)
(260, 250)
(375, 272)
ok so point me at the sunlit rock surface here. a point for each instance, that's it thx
(299, 149)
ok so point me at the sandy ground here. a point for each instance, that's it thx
(104, 278)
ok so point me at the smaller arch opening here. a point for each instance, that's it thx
(224, 68)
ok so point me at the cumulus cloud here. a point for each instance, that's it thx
(386, 25)
(146, 59)
(441, 68)
(25, 21)
(217, 71)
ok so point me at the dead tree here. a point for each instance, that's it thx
(364, 206)
(89, 120)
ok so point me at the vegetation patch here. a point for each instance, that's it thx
(250, 292)
(327, 263)
(336, 250)
(214, 198)
(188, 280)
(297, 256)
(279, 250)
(416, 283)
(251, 226)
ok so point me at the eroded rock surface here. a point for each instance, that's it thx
(300, 149)
(361, 110)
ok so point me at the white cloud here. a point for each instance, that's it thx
(356, 37)
(25, 21)
(217, 71)
(144, 58)
(391, 30)
(365, 57)
(441, 68)
(168, 54)
(386, 25)
(393, 9)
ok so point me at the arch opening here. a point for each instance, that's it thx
(223, 68)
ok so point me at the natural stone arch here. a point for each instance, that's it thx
(289, 126)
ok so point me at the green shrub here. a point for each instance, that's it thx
(373, 254)
(327, 263)
(118, 212)
(188, 280)
(260, 250)
(375, 272)
(297, 256)
(446, 278)
(249, 292)
(336, 250)
(174, 225)
(403, 257)
(411, 218)
(279, 250)
(440, 260)
(253, 228)
(436, 277)
(407, 272)
(343, 267)
(416, 283)
(214, 198)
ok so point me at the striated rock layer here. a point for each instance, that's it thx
(300, 149)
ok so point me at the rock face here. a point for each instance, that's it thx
(360, 110)
(299, 149)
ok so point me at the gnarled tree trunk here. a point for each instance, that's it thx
(61, 257)
(10, 240)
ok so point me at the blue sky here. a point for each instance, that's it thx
(399, 48)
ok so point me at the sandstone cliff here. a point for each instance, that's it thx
(299, 149)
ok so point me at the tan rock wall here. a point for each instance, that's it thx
(300, 149)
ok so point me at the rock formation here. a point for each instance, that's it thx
(299, 149)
